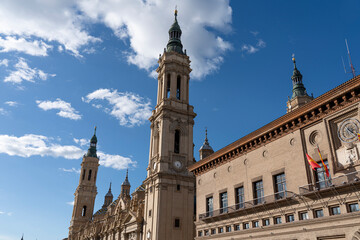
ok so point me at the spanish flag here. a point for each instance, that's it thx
(312, 163)
(325, 167)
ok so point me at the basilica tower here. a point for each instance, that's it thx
(169, 199)
(86, 191)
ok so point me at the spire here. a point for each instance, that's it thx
(174, 43)
(22, 238)
(109, 193)
(126, 181)
(92, 149)
(205, 149)
(298, 86)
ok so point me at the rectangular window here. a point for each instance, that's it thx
(255, 224)
(177, 223)
(228, 228)
(322, 180)
(258, 192)
(239, 197)
(318, 213)
(303, 216)
(290, 218)
(353, 207)
(277, 220)
(149, 213)
(335, 210)
(220, 230)
(280, 186)
(223, 202)
(236, 227)
(209, 206)
(178, 187)
(206, 232)
(213, 231)
(199, 233)
(246, 225)
(266, 222)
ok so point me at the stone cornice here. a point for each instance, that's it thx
(331, 101)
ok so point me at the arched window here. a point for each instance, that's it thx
(178, 84)
(89, 177)
(168, 86)
(177, 142)
(83, 212)
(83, 176)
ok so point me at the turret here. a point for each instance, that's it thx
(125, 186)
(108, 198)
(206, 149)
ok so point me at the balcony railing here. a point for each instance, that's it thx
(343, 180)
(248, 205)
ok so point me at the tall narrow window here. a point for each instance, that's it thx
(223, 202)
(89, 176)
(258, 192)
(83, 212)
(168, 86)
(321, 179)
(177, 142)
(239, 197)
(83, 176)
(177, 223)
(209, 206)
(280, 186)
(178, 84)
(95, 176)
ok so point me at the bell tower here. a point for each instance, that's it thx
(169, 196)
(86, 191)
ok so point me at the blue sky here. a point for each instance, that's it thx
(67, 66)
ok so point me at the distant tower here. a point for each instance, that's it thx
(125, 187)
(108, 198)
(169, 196)
(299, 96)
(86, 191)
(206, 149)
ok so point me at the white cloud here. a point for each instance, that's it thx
(115, 161)
(31, 47)
(250, 49)
(129, 108)
(3, 112)
(6, 213)
(70, 203)
(4, 62)
(71, 170)
(39, 145)
(145, 24)
(12, 103)
(46, 21)
(65, 109)
(82, 141)
(23, 72)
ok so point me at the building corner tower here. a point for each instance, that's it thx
(86, 191)
(170, 187)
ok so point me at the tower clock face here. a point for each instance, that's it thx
(348, 130)
(178, 165)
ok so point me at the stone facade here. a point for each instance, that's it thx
(262, 187)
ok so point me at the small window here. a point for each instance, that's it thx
(266, 222)
(83, 212)
(213, 231)
(303, 216)
(178, 187)
(236, 227)
(228, 228)
(178, 86)
(246, 225)
(318, 213)
(89, 177)
(200, 233)
(277, 220)
(149, 213)
(177, 223)
(255, 224)
(220, 230)
(290, 218)
(177, 142)
(83, 176)
(335, 210)
(206, 232)
(353, 207)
